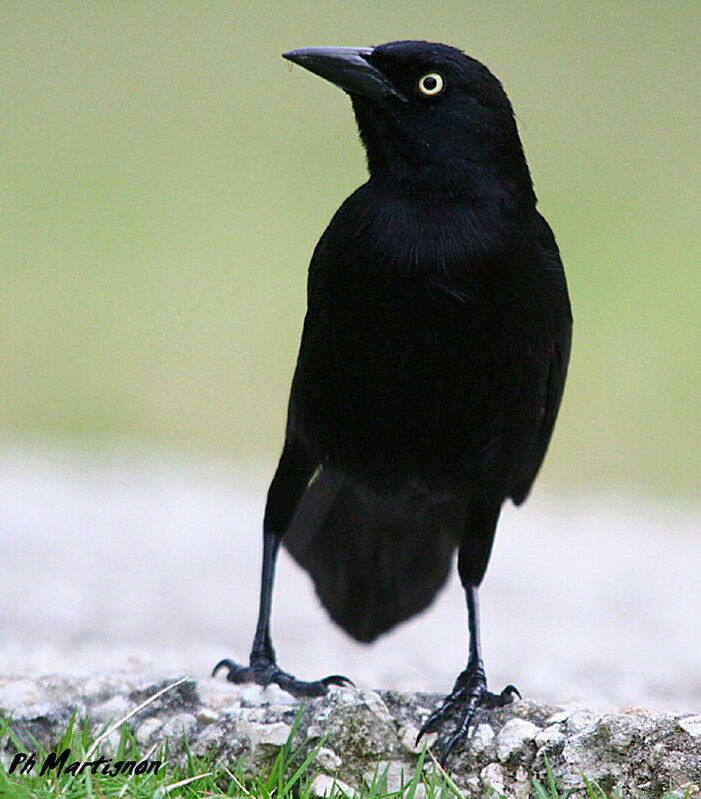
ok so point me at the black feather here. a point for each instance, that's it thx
(373, 563)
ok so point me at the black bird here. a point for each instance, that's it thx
(432, 361)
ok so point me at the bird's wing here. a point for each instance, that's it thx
(556, 359)
(552, 395)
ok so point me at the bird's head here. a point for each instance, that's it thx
(429, 116)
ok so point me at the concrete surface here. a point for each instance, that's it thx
(136, 561)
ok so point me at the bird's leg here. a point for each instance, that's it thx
(290, 481)
(469, 694)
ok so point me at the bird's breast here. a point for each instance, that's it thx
(414, 349)
(401, 372)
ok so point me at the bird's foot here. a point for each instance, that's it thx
(263, 671)
(467, 699)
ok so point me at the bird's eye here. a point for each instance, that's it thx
(431, 84)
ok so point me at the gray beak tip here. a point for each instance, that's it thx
(347, 67)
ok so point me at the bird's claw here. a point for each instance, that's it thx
(265, 672)
(338, 679)
(471, 695)
(235, 673)
(509, 694)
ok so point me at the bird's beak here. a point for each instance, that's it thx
(348, 68)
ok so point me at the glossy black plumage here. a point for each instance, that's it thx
(434, 350)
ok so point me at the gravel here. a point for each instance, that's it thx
(640, 753)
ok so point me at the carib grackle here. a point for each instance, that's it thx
(432, 361)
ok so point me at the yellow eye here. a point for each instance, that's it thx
(431, 84)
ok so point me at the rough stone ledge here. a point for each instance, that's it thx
(642, 754)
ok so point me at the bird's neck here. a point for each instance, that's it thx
(463, 182)
(465, 167)
(407, 232)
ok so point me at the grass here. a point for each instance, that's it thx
(165, 178)
(289, 776)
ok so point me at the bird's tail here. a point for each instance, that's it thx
(373, 564)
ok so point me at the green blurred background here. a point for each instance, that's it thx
(165, 178)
